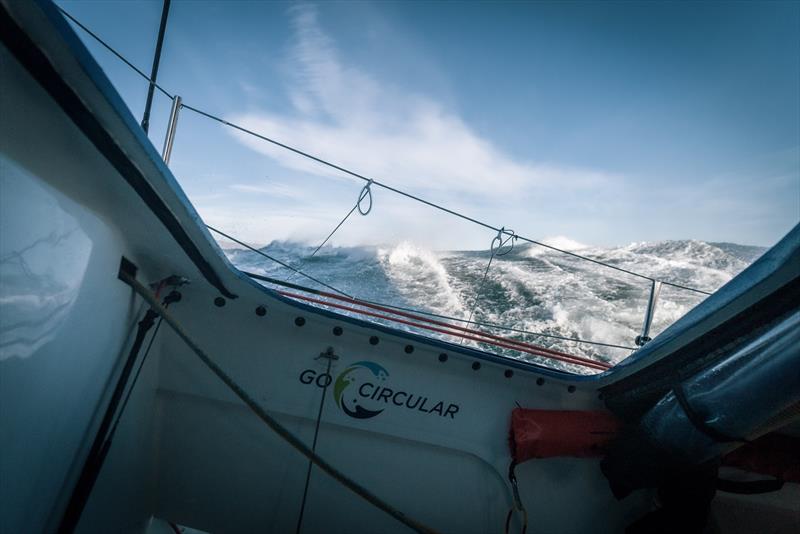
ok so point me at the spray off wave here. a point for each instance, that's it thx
(532, 288)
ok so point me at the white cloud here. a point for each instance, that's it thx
(407, 140)
(272, 190)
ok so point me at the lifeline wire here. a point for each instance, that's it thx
(361, 196)
(330, 357)
(117, 54)
(372, 181)
(496, 251)
(276, 260)
(304, 260)
(262, 414)
(290, 285)
(431, 204)
(480, 290)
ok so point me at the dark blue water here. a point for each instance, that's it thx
(531, 288)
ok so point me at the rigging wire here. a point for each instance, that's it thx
(156, 62)
(465, 333)
(378, 305)
(371, 181)
(330, 356)
(276, 260)
(480, 290)
(495, 251)
(365, 193)
(431, 204)
(110, 49)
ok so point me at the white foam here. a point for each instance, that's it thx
(419, 275)
(534, 288)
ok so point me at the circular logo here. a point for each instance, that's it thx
(350, 381)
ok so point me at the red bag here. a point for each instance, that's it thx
(548, 433)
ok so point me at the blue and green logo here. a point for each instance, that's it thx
(361, 391)
(346, 387)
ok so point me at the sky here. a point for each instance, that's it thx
(602, 122)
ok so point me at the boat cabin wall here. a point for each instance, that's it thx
(423, 427)
(66, 322)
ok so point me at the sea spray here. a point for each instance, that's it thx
(532, 288)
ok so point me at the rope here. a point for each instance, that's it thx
(430, 314)
(329, 355)
(518, 506)
(135, 378)
(173, 296)
(371, 181)
(262, 414)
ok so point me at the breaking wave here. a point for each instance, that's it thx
(532, 289)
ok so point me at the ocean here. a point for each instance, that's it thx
(531, 288)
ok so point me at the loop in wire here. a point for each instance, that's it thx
(499, 242)
(366, 192)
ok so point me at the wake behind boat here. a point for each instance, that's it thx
(147, 383)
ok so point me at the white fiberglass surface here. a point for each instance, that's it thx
(56, 350)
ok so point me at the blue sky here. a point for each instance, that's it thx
(603, 122)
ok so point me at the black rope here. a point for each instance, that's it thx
(173, 296)
(330, 357)
(102, 440)
(380, 184)
(135, 379)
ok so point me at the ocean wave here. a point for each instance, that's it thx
(533, 288)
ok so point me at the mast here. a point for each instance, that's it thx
(156, 60)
